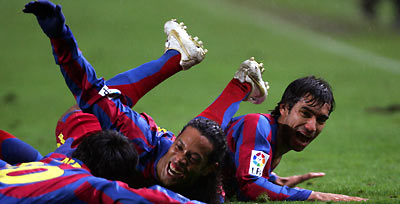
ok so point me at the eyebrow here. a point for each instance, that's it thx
(322, 116)
(192, 153)
(178, 140)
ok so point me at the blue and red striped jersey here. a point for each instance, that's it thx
(14, 151)
(61, 179)
(94, 95)
(251, 140)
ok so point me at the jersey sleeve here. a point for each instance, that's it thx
(135, 83)
(253, 158)
(14, 150)
(273, 177)
(61, 179)
(167, 195)
(3, 164)
(227, 103)
(98, 190)
(92, 94)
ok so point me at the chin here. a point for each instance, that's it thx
(297, 148)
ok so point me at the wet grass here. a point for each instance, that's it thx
(359, 146)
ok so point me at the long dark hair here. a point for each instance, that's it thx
(208, 188)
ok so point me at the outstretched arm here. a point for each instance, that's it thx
(77, 71)
(134, 83)
(104, 191)
(14, 150)
(49, 16)
(253, 183)
(91, 93)
(319, 196)
(293, 181)
(158, 194)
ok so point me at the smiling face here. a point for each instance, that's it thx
(186, 159)
(303, 123)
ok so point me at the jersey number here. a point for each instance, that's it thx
(29, 173)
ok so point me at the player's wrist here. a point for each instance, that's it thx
(314, 196)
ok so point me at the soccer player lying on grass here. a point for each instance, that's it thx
(257, 143)
(81, 178)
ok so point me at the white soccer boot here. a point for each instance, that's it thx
(250, 71)
(191, 49)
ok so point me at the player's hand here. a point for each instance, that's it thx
(292, 181)
(319, 196)
(49, 16)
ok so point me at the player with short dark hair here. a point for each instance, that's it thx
(57, 178)
(108, 154)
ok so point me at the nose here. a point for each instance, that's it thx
(311, 125)
(182, 159)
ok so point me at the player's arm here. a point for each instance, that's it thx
(90, 92)
(4, 164)
(252, 171)
(14, 150)
(49, 16)
(77, 71)
(252, 185)
(293, 181)
(320, 196)
(104, 191)
(158, 194)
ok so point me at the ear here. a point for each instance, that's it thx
(284, 109)
(210, 168)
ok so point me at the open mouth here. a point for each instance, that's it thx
(303, 138)
(174, 171)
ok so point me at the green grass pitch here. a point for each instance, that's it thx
(359, 147)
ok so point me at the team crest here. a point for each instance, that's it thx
(257, 162)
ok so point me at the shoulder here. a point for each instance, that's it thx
(152, 124)
(257, 118)
(260, 125)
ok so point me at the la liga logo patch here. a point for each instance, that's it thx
(259, 159)
(257, 162)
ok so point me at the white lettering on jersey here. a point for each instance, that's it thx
(110, 93)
